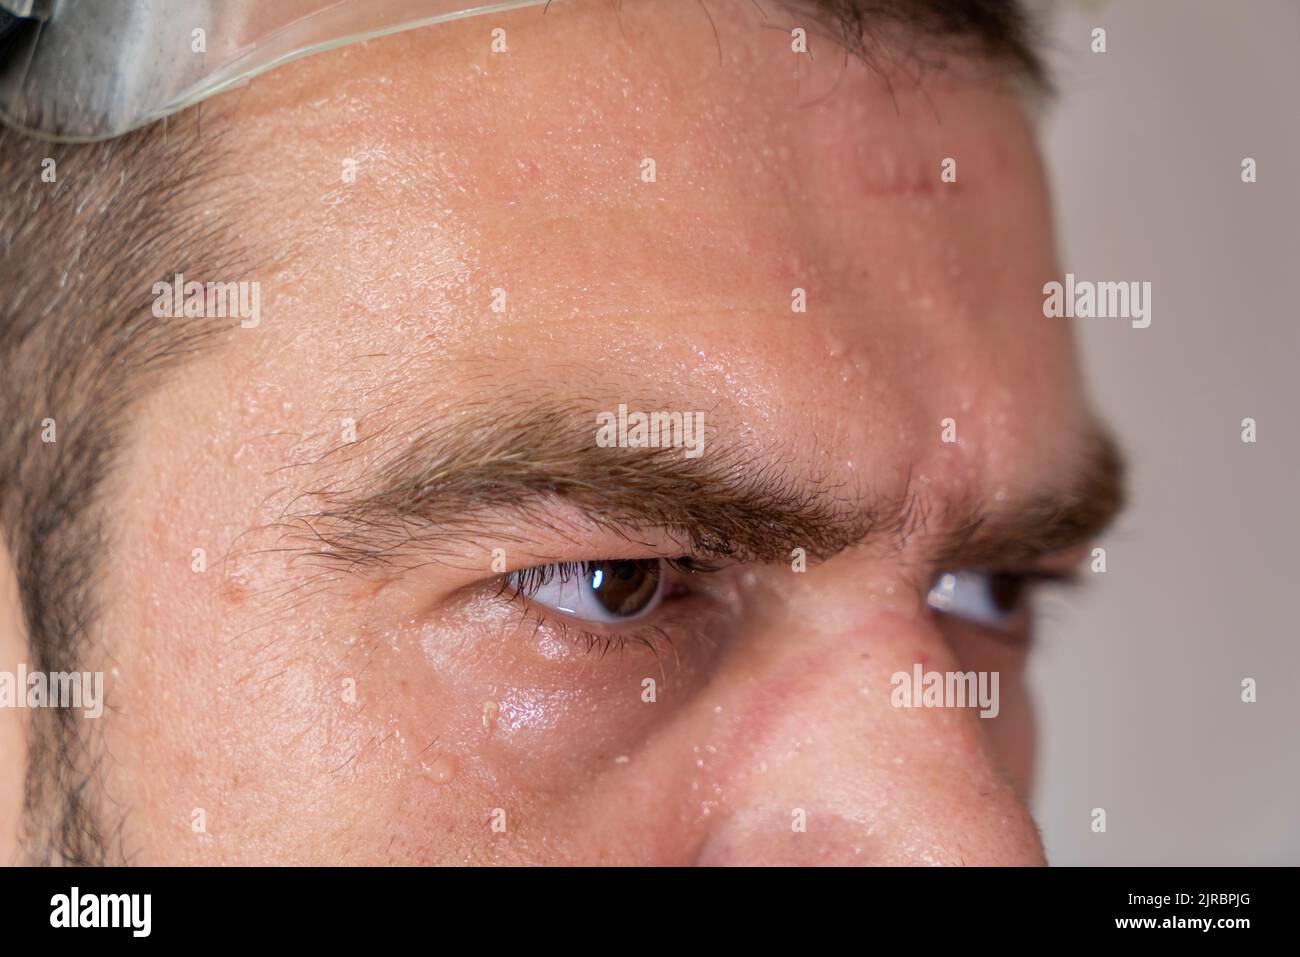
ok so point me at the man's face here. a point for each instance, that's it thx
(465, 248)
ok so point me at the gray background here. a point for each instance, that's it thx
(1138, 676)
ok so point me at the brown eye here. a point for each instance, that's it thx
(1008, 591)
(624, 588)
(609, 592)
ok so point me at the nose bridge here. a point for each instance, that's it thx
(821, 763)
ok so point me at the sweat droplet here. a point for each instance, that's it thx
(442, 769)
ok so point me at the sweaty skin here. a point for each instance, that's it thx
(307, 715)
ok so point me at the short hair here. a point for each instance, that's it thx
(85, 230)
(999, 31)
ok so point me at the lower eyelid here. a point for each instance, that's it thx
(593, 637)
(1018, 636)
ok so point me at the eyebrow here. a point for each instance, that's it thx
(999, 31)
(486, 471)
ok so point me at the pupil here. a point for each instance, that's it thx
(625, 587)
(1007, 592)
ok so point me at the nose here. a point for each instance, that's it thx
(822, 762)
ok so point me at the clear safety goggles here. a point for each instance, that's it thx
(84, 70)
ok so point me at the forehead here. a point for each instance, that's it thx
(634, 204)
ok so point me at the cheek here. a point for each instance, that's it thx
(234, 736)
(490, 711)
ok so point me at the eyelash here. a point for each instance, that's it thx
(519, 587)
(534, 578)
